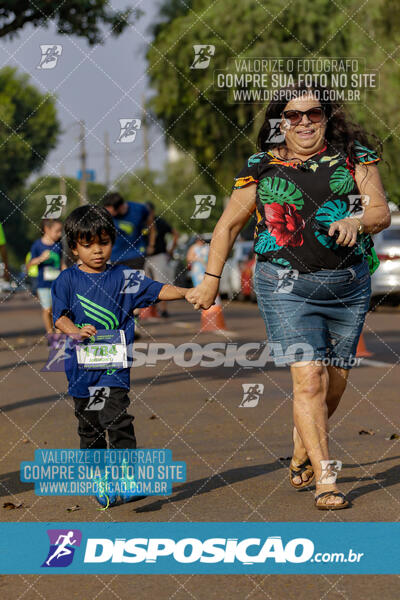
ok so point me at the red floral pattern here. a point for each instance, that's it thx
(285, 223)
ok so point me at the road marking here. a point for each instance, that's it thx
(368, 362)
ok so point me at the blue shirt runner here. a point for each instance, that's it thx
(50, 268)
(130, 242)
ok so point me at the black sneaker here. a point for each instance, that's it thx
(165, 314)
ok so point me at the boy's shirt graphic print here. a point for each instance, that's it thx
(107, 302)
(98, 313)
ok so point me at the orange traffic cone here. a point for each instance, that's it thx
(212, 319)
(150, 312)
(362, 351)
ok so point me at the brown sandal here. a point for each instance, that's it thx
(305, 467)
(325, 506)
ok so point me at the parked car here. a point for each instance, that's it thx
(385, 282)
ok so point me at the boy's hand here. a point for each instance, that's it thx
(45, 255)
(172, 292)
(187, 295)
(87, 331)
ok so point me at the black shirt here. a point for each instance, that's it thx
(297, 201)
(162, 228)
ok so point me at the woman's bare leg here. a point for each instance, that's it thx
(310, 411)
(337, 385)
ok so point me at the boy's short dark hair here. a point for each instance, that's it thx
(87, 222)
(48, 223)
(113, 199)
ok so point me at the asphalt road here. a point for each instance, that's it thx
(236, 456)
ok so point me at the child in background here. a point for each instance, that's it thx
(95, 295)
(46, 253)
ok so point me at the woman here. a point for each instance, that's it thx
(317, 195)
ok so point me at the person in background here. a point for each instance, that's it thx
(130, 218)
(31, 274)
(158, 257)
(3, 253)
(197, 257)
(46, 253)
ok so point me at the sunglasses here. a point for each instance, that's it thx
(315, 115)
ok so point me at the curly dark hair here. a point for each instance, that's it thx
(341, 133)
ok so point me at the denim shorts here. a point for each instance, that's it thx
(313, 316)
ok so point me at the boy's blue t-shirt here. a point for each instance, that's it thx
(50, 268)
(130, 242)
(98, 299)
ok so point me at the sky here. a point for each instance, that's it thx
(98, 84)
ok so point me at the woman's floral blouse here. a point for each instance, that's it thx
(297, 201)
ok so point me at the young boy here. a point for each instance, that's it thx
(46, 253)
(94, 296)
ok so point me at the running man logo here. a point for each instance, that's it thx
(330, 471)
(50, 55)
(202, 56)
(286, 280)
(133, 278)
(61, 350)
(128, 129)
(62, 547)
(204, 204)
(251, 394)
(276, 135)
(357, 204)
(54, 206)
(98, 397)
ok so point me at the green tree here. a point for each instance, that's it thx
(139, 186)
(172, 192)
(221, 134)
(34, 202)
(29, 129)
(199, 117)
(85, 18)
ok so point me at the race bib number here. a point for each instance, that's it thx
(50, 273)
(106, 350)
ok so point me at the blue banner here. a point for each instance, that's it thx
(200, 548)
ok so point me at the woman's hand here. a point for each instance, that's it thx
(348, 230)
(204, 294)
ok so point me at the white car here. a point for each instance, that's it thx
(385, 282)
